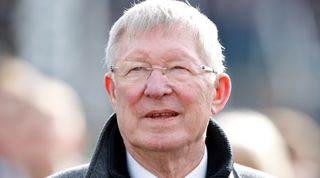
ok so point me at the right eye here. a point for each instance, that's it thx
(136, 69)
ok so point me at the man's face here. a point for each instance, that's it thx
(156, 113)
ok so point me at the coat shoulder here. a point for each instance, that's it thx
(246, 172)
(74, 172)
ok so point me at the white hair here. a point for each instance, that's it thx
(151, 13)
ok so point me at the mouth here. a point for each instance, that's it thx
(163, 114)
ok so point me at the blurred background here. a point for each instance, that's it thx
(272, 51)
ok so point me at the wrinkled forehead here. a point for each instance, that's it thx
(173, 31)
(173, 16)
(166, 27)
(164, 30)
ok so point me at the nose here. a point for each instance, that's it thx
(157, 85)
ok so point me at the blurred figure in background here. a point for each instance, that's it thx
(26, 139)
(256, 142)
(302, 136)
(42, 124)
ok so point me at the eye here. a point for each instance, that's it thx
(136, 69)
(179, 68)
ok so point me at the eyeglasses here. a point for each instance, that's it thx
(135, 72)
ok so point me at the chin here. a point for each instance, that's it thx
(161, 144)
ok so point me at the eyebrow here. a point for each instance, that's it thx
(170, 55)
(139, 55)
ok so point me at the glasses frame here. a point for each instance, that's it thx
(203, 68)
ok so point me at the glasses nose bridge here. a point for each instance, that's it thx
(163, 71)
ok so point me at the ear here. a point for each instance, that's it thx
(222, 92)
(110, 87)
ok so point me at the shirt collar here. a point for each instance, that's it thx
(138, 171)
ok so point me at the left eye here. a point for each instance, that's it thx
(179, 68)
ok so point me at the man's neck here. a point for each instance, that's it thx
(173, 164)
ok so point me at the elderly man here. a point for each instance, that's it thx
(166, 81)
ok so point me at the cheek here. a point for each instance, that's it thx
(196, 100)
(198, 94)
(127, 96)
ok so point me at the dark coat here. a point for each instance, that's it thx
(109, 159)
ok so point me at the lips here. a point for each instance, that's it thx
(161, 114)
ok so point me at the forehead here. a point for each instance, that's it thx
(160, 44)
